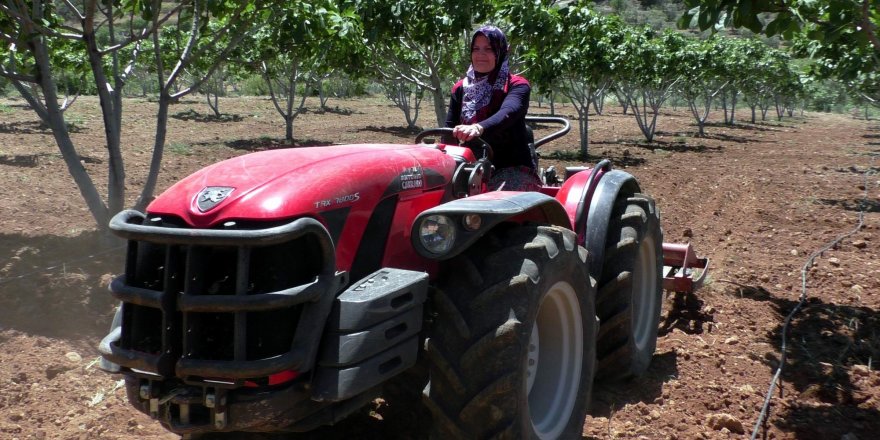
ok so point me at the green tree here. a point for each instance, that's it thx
(406, 96)
(841, 35)
(648, 72)
(770, 77)
(42, 46)
(203, 36)
(737, 62)
(569, 48)
(702, 63)
(422, 42)
(298, 47)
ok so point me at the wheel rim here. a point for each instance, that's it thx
(645, 299)
(554, 362)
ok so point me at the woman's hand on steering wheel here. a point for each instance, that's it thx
(479, 143)
(467, 132)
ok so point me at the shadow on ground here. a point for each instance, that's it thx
(829, 349)
(192, 115)
(617, 158)
(57, 286)
(333, 111)
(263, 144)
(740, 125)
(24, 127)
(401, 132)
(674, 146)
(707, 135)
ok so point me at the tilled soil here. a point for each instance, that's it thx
(784, 210)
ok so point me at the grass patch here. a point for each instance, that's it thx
(179, 148)
(6, 109)
(75, 123)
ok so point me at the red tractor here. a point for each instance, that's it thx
(282, 290)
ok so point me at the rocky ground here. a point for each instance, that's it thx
(785, 210)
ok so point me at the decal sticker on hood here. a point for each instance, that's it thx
(411, 178)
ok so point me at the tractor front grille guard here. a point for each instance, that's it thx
(221, 304)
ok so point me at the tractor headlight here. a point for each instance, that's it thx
(437, 233)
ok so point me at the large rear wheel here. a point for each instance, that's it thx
(630, 288)
(511, 350)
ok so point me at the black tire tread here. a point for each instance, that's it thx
(633, 217)
(474, 375)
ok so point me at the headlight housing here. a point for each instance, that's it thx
(437, 234)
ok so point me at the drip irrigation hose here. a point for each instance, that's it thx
(803, 298)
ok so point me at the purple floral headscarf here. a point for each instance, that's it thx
(478, 88)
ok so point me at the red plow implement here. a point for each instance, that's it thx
(683, 270)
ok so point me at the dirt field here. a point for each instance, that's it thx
(758, 200)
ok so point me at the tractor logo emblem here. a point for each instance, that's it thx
(209, 197)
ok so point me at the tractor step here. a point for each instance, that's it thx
(683, 271)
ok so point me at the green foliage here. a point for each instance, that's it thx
(841, 35)
(826, 96)
(426, 22)
(567, 41)
(551, 40)
(422, 42)
(648, 60)
(343, 85)
(319, 31)
(254, 85)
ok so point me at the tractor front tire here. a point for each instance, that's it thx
(511, 349)
(630, 288)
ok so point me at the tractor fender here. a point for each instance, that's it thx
(493, 208)
(612, 184)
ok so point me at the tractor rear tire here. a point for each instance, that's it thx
(630, 290)
(511, 350)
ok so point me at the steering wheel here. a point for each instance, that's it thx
(443, 131)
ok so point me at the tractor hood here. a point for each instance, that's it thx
(287, 183)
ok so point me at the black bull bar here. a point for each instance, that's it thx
(179, 300)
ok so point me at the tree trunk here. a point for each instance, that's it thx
(322, 97)
(147, 193)
(700, 118)
(780, 109)
(724, 105)
(32, 101)
(623, 100)
(111, 111)
(213, 103)
(641, 113)
(733, 101)
(579, 94)
(62, 137)
(440, 105)
(291, 95)
(584, 129)
(598, 100)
